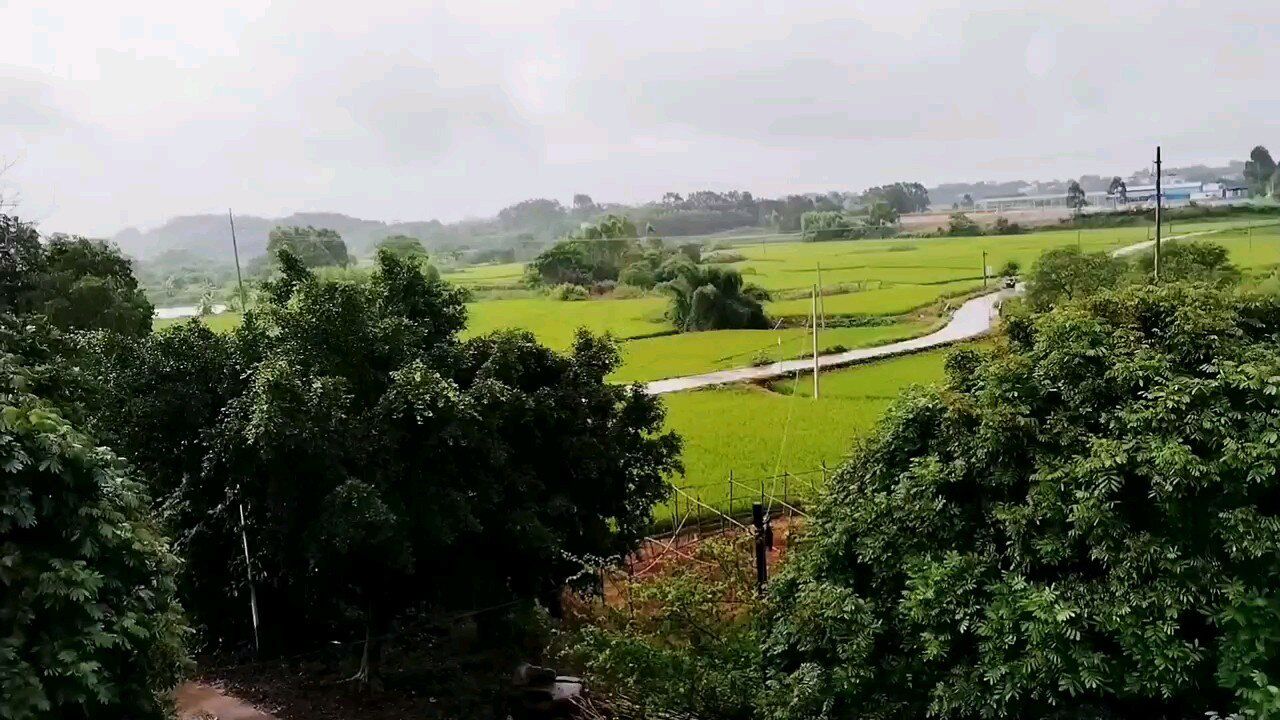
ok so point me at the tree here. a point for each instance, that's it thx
(564, 262)
(1118, 189)
(1075, 196)
(902, 197)
(79, 284)
(1066, 273)
(882, 213)
(829, 225)
(961, 224)
(1191, 260)
(966, 201)
(384, 462)
(638, 274)
(1258, 170)
(583, 204)
(314, 247)
(714, 298)
(1010, 269)
(1081, 524)
(89, 621)
(404, 246)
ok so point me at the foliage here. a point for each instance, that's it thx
(1259, 169)
(1075, 196)
(961, 224)
(89, 622)
(902, 197)
(686, 643)
(566, 291)
(78, 284)
(1064, 273)
(1119, 189)
(1080, 525)
(723, 257)
(1002, 226)
(564, 262)
(1009, 269)
(403, 245)
(314, 247)
(713, 298)
(829, 225)
(882, 213)
(381, 461)
(1196, 260)
(638, 274)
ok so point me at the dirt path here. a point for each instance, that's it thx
(198, 701)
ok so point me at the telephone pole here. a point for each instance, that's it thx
(1158, 199)
(984, 269)
(815, 342)
(244, 302)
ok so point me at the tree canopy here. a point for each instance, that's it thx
(1064, 273)
(714, 298)
(902, 197)
(1080, 524)
(1259, 169)
(77, 283)
(314, 247)
(403, 245)
(383, 462)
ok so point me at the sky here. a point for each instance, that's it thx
(126, 113)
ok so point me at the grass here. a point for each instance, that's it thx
(756, 432)
(889, 300)
(690, 353)
(223, 322)
(497, 275)
(555, 321)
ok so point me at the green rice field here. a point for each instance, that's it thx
(760, 433)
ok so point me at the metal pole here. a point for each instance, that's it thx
(815, 342)
(821, 307)
(984, 269)
(731, 493)
(1156, 263)
(244, 303)
(762, 564)
(253, 595)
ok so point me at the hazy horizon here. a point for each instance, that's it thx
(129, 114)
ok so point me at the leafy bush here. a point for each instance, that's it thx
(712, 298)
(1065, 273)
(89, 623)
(1081, 524)
(1002, 226)
(721, 257)
(690, 647)
(638, 274)
(1009, 269)
(1196, 260)
(565, 291)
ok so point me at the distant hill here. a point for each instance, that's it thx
(209, 236)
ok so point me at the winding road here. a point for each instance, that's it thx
(973, 319)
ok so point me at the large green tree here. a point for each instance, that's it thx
(1259, 169)
(1065, 273)
(77, 283)
(1081, 524)
(714, 298)
(89, 621)
(315, 247)
(382, 461)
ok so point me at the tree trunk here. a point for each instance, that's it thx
(371, 657)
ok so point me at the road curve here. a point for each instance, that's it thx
(972, 319)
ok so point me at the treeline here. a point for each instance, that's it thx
(383, 472)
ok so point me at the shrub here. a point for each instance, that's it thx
(628, 292)
(721, 257)
(638, 274)
(603, 287)
(1081, 524)
(567, 291)
(1002, 226)
(89, 623)
(712, 298)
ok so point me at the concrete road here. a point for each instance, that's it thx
(974, 318)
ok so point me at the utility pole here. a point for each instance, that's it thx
(822, 310)
(815, 342)
(253, 594)
(244, 303)
(1156, 264)
(984, 269)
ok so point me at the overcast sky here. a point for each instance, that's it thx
(126, 113)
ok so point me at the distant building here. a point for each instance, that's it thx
(1174, 192)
